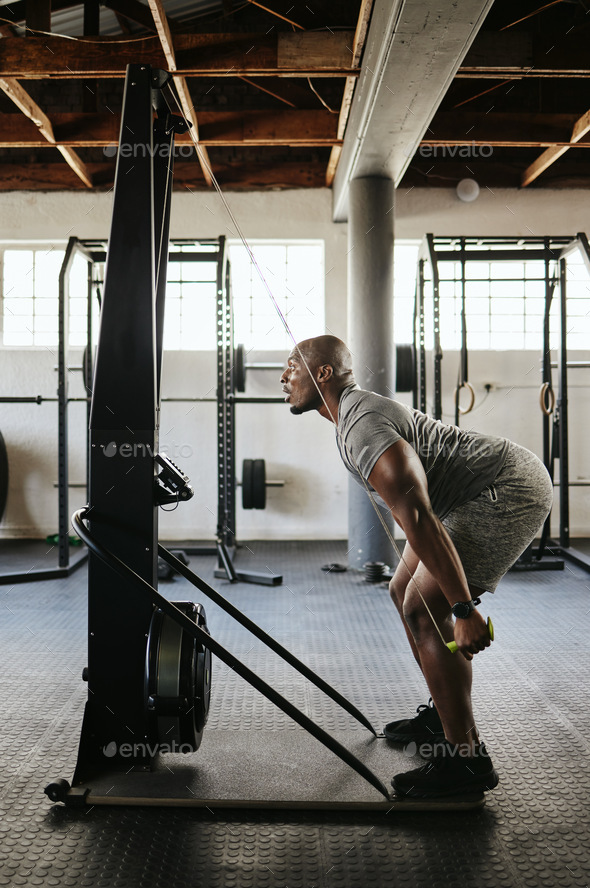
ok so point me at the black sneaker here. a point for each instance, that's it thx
(425, 727)
(448, 773)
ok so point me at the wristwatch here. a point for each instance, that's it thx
(464, 609)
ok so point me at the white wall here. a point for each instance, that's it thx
(300, 450)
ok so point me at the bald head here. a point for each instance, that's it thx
(317, 372)
(327, 350)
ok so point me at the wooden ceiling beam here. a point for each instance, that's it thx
(497, 129)
(360, 35)
(238, 176)
(184, 96)
(33, 112)
(308, 54)
(547, 158)
(313, 129)
(268, 91)
(524, 73)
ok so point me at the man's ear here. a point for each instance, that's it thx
(325, 372)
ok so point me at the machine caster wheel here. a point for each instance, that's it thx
(58, 790)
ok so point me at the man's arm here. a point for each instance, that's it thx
(400, 480)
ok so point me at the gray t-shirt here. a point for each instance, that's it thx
(458, 464)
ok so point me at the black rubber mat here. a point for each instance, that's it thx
(530, 697)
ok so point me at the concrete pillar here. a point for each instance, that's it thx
(370, 338)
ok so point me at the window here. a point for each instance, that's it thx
(405, 260)
(191, 301)
(30, 295)
(294, 272)
(504, 302)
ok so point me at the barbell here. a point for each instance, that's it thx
(254, 483)
(405, 368)
(240, 367)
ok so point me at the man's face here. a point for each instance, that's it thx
(298, 385)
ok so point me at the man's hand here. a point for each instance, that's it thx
(472, 635)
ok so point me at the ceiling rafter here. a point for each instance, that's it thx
(235, 176)
(184, 96)
(356, 51)
(315, 128)
(21, 98)
(277, 14)
(547, 158)
(267, 91)
(283, 54)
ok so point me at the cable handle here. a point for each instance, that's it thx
(453, 647)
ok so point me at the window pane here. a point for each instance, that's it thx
(294, 274)
(18, 273)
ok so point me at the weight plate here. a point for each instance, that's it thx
(247, 473)
(3, 476)
(253, 484)
(87, 370)
(405, 368)
(239, 369)
(259, 484)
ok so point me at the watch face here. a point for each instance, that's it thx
(462, 608)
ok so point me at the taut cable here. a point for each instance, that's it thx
(203, 160)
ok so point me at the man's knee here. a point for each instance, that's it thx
(416, 616)
(397, 591)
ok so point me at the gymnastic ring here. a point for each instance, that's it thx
(547, 408)
(469, 408)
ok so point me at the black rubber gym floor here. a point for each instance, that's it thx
(531, 692)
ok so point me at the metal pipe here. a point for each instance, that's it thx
(574, 365)
(263, 366)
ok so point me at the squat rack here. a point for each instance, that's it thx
(230, 370)
(67, 562)
(551, 251)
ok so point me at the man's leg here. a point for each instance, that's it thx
(448, 675)
(397, 590)
(425, 727)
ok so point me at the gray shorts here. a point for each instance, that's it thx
(493, 530)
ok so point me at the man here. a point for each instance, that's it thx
(469, 505)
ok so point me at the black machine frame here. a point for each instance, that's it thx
(551, 251)
(120, 523)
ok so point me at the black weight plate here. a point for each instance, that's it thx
(239, 369)
(3, 476)
(247, 480)
(405, 368)
(259, 484)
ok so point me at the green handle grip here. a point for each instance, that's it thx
(452, 645)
